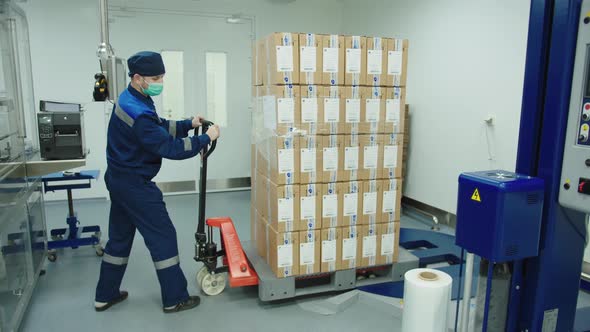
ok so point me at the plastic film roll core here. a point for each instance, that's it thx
(428, 276)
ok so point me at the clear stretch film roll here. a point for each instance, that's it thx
(427, 296)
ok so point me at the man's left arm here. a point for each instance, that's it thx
(177, 128)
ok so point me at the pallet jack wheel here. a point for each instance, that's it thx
(52, 255)
(201, 274)
(213, 284)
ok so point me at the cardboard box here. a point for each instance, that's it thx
(283, 252)
(260, 230)
(371, 202)
(333, 60)
(312, 109)
(351, 147)
(310, 57)
(331, 110)
(331, 205)
(391, 194)
(364, 110)
(311, 207)
(355, 60)
(370, 242)
(395, 116)
(354, 105)
(377, 61)
(281, 108)
(310, 247)
(351, 196)
(331, 251)
(371, 161)
(351, 247)
(332, 159)
(257, 62)
(373, 114)
(310, 169)
(278, 204)
(392, 151)
(280, 59)
(397, 62)
(278, 159)
(388, 250)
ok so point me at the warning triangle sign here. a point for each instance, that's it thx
(476, 196)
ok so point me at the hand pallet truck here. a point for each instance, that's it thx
(235, 265)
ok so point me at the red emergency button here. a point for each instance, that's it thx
(587, 106)
(584, 186)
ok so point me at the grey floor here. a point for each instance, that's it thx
(63, 299)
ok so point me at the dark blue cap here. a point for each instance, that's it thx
(146, 63)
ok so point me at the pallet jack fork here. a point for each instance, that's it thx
(235, 265)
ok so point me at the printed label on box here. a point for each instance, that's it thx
(332, 110)
(390, 156)
(353, 60)
(330, 159)
(330, 206)
(308, 160)
(328, 251)
(331, 59)
(308, 59)
(351, 204)
(353, 110)
(349, 249)
(389, 201)
(307, 253)
(370, 160)
(392, 110)
(351, 158)
(309, 110)
(369, 246)
(308, 207)
(285, 255)
(284, 58)
(286, 110)
(286, 161)
(394, 62)
(370, 203)
(387, 244)
(373, 110)
(374, 62)
(285, 208)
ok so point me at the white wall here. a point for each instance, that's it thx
(65, 33)
(466, 61)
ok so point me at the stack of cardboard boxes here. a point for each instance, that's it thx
(327, 149)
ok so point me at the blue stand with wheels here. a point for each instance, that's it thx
(72, 237)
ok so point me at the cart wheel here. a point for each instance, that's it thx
(52, 256)
(99, 250)
(201, 274)
(213, 284)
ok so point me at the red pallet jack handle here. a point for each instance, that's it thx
(241, 272)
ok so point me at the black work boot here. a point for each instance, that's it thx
(122, 297)
(191, 302)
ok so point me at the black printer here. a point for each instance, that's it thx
(61, 131)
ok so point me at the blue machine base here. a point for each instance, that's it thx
(430, 248)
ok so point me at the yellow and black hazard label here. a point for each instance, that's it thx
(476, 197)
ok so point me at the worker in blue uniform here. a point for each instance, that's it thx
(138, 139)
